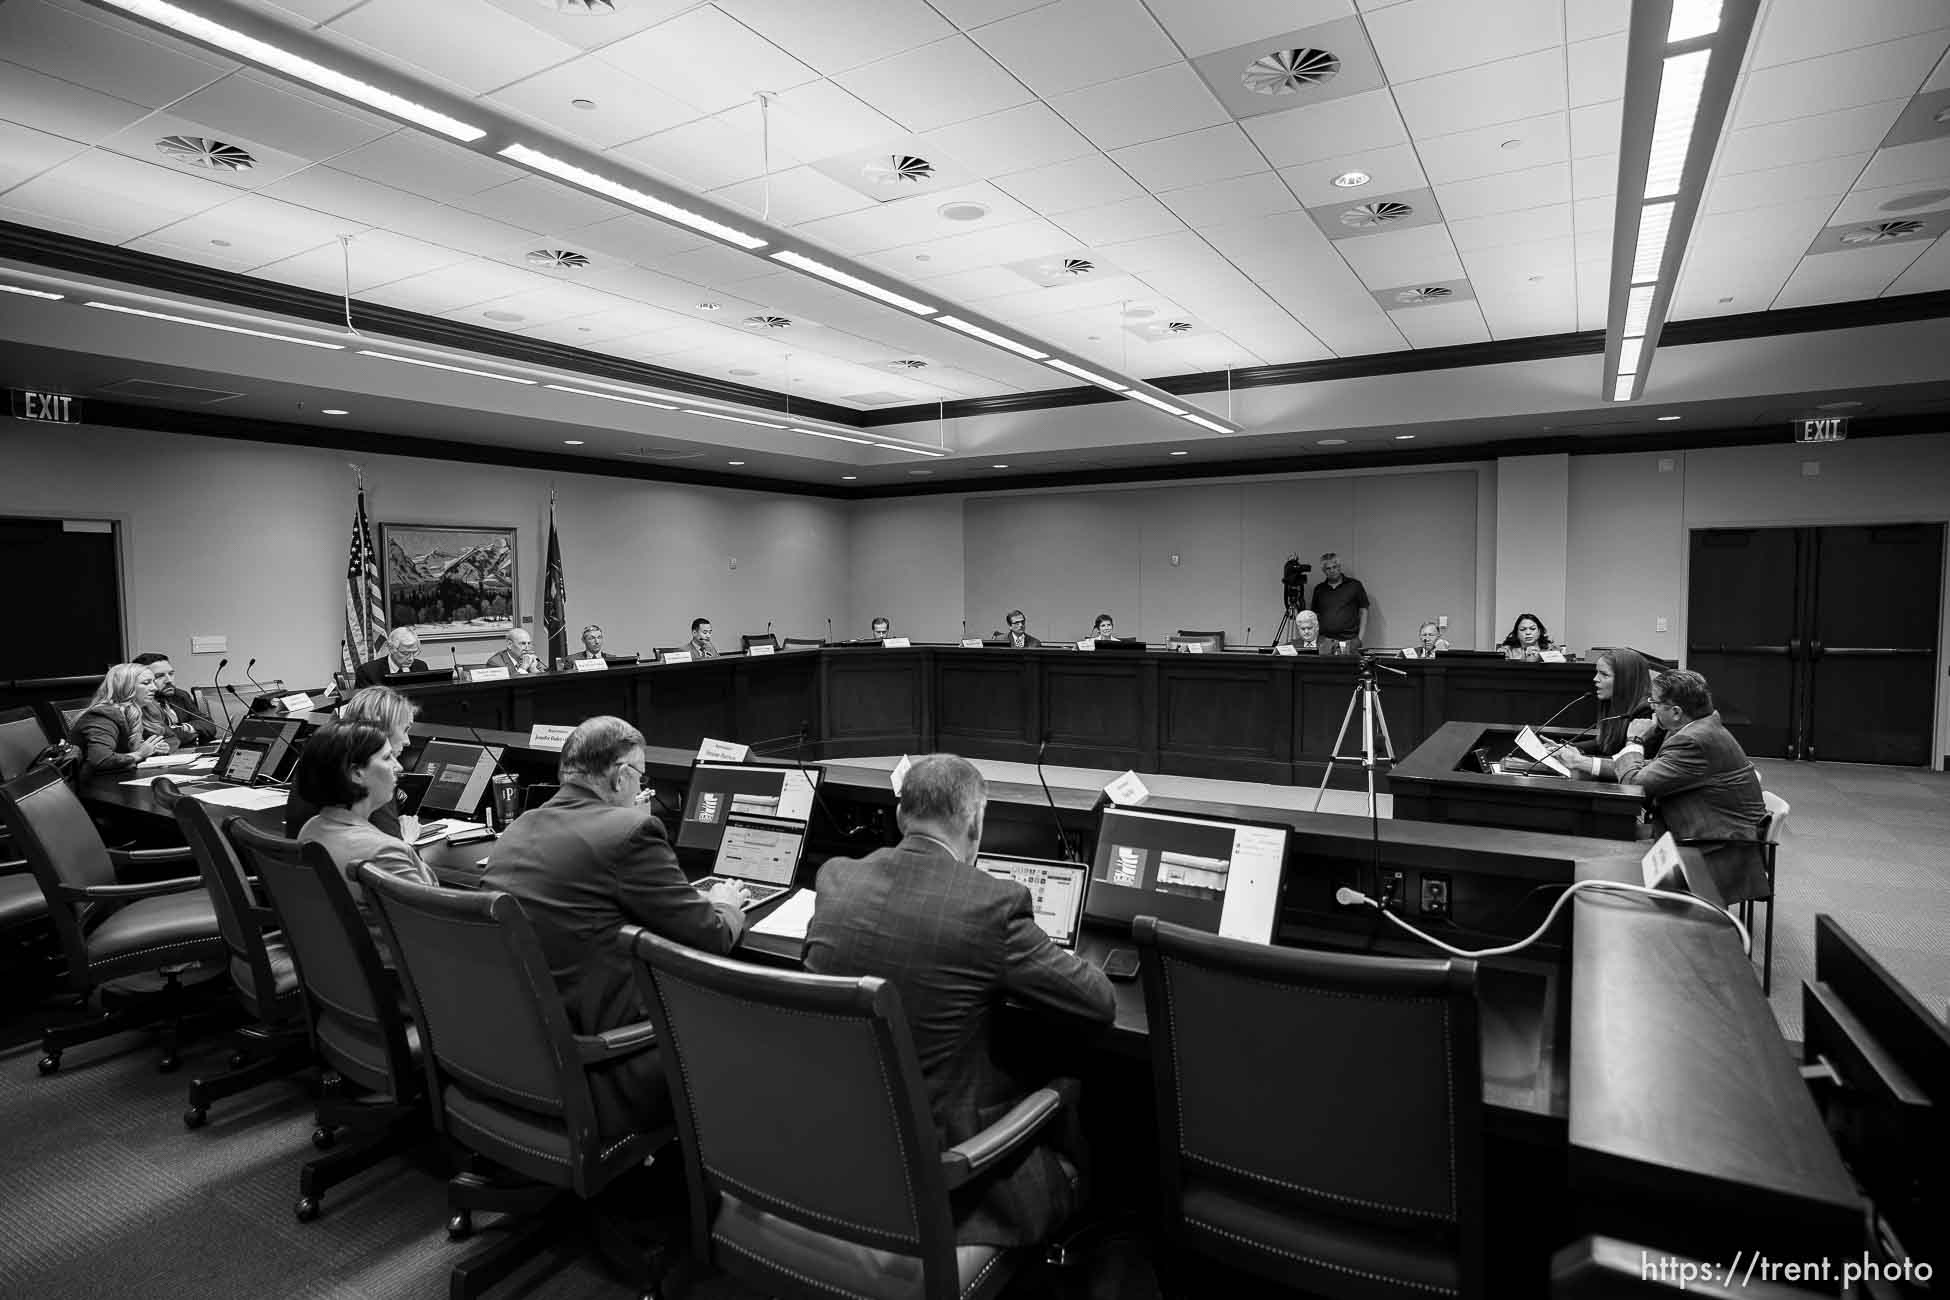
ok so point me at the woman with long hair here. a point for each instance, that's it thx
(1528, 638)
(110, 733)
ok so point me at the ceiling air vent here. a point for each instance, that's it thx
(768, 322)
(908, 363)
(899, 169)
(1434, 293)
(1284, 72)
(557, 259)
(1075, 266)
(196, 151)
(1375, 214)
(1882, 232)
(1177, 327)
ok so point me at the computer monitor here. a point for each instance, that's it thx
(461, 774)
(262, 749)
(1115, 644)
(1187, 643)
(721, 791)
(622, 661)
(1219, 876)
(428, 677)
(1056, 891)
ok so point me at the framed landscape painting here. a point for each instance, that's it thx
(447, 581)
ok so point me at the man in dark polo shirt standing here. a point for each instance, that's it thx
(1342, 604)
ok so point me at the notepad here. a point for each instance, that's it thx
(1533, 745)
(250, 798)
(790, 918)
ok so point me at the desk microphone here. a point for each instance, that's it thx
(216, 684)
(253, 681)
(1249, 634)
(829, 631)
(1566, 709)
(454, 654)
(1062, 839)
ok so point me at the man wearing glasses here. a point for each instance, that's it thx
(589, 861)
(1019, 631)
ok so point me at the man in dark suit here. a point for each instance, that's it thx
(171, 713)
(1019, 631)
(954, 941)
(583, 865)
(1701, 783)
(402, 656)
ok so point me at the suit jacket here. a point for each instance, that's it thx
(352, 840)
(504, 658)
(1703, 786)
(954, 941)
(1027, 640)
(373, 672)
(107, 742)
(175, 715)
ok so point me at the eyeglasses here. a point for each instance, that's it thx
(632, 767)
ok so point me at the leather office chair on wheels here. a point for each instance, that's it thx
(352, 1010)
(22, 740)
(508, 1078)
(809, 1147)
(1769, 837)
(142, 950)
(1338, 1150)
(275, 1043)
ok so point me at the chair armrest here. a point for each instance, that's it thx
(148, 889)
(965, 1160)
(1714, 842)
(13, 866)
(616, 1044)
(150, 857)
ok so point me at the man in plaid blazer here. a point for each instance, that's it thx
(954, 941)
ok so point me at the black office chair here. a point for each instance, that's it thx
(144, 949)
(761, 638)
(1767, 842)
(809, 1147)
(803, 643)
(22, 740)
(1605, 1268)
(352, 1011)
(275, 1044)
(1337, 1149)
(58, 716)
(508, 1077)
(1213, 640)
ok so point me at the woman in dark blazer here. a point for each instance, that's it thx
(110, 733)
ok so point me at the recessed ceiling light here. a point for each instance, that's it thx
(509, 317)
(333, 410)
(743, 373)
(924, 257)
(572, 442)
(999, 465)
(734, 462)
(1727, 299)
(1667, 419)
(1404, 437)
(1181, 453)
(584, 104)
(1511, 144)
(964, 210)
(1536, 279)
(919, 473)
(710, 306)
(1352, 180)
(1332, 442)
(848, 478)
(220, 243)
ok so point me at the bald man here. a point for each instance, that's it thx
(402, 656)
(518, 656)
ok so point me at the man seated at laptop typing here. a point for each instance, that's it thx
(955, 940)
(583, 865)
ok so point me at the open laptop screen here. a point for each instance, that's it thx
(261, 749)
(1219, 876)
(1056, 891)
(460, 773)
(721, 791)
(763, 849)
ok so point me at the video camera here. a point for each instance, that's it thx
(1293, 582)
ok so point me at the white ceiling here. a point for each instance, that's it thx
(1112, 131)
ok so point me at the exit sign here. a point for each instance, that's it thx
(1833, 429)
(54, 408)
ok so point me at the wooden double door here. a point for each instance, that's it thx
(1820, 643)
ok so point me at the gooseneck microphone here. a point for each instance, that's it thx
(252, 680)
(1062, 837)
(216, 684)
(829, 631)
(1566, 709)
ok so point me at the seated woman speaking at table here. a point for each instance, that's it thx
(1528, 638)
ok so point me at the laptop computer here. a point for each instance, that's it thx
(754, 817)
(1056, 891)
(263, 750)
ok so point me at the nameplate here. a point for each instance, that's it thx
(1127, 791)
(1661, 865)
(1285, 648)
(1552, 656)
(487, 674)
(971, 643)
(900, 773)
(762, 648)
(1088, 643)
(894, 643)
(1411, 653)
(591, 665)
(677, 656)
(721, 751)
(549, 736)
(297, 702)
(1192, 647)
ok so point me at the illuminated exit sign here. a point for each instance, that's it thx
(1833, 429)
(54, 408)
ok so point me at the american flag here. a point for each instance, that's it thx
(365, 609)
(555, 595)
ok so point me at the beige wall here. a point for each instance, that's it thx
(904, 561)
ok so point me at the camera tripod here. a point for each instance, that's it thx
(1289, 628)
(1366, 696)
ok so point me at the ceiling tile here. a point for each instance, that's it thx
(820, 119)
(543, 302)
(1597, 70)
(793, 197)
(1088, 182)
(1904, 200)
(1226, 202)
(114, 192)
(420, 164)
(1442, 327)
(1808, 139)
(1390, 171)
(1845, 277)
(314, 12)
(835, 35)
(1505, 270)
(1201, 27)
(255, 230)
(707, 59)
(708, 153)
(104, 54)
(949, 81)
(1423, 38)
(368, 203)
(1594, 216)
(1149, 106)
(1198, 157)
(1117, 223)
(377, 257)
(1594, 292)
(913, 220)
(1868, 75)
(1423, 255)
(1078, 43)
(1335, 128)
(1584, 19)
(1793, 30)
(1828, 176)
(624, 107)
(1594, 177)
(62, 108)
(535, 203)
(498, 47)
(24, 152)
(1510, 192)
(1488, 151)
(973, 286)
(1156, 252)
(1014, 140)
(85, 220)
(1596, 128)
(979, 248)
(977, 13)
(1531, 225)
(284, 117)
(1528, 86)
(1929, 273)
(1746, 255)
(1926, 163)
(481, 236)
(588, 31)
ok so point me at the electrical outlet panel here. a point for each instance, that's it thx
(1394, 889)
(1435, 895)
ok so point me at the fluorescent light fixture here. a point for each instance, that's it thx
(1204, 423)
(622, 193)
(836, 437)
(910, 450)
(610, 397)
(990, 336)
(735, 419)
(1148, 400)
(441, 365)
(1655, 222)
(1680, 82)
(1638, 309)
(1622, 388)
(1691, 19)
(846, 281)
(215, 325)
(1628, 355)
(270, 56)
(1088, 376)
(333, 410)
(25, 292)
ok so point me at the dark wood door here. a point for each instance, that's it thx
(72, 570)
(1872, 649)
(1741, 614)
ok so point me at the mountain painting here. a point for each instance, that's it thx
(448, 582)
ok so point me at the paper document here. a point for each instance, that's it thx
(251, 798)
(445, 828)
(790, 918)
(1540, 750)
(171, 760)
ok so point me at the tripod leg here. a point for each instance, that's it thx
(1381, 719)
(1334, 754)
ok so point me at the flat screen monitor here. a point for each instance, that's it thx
(262, 748)
(1115, 644)
(1206, 645)
(461, 773)
(1056, 891)
(751, 793)
(1222, 877)
(428, 677)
